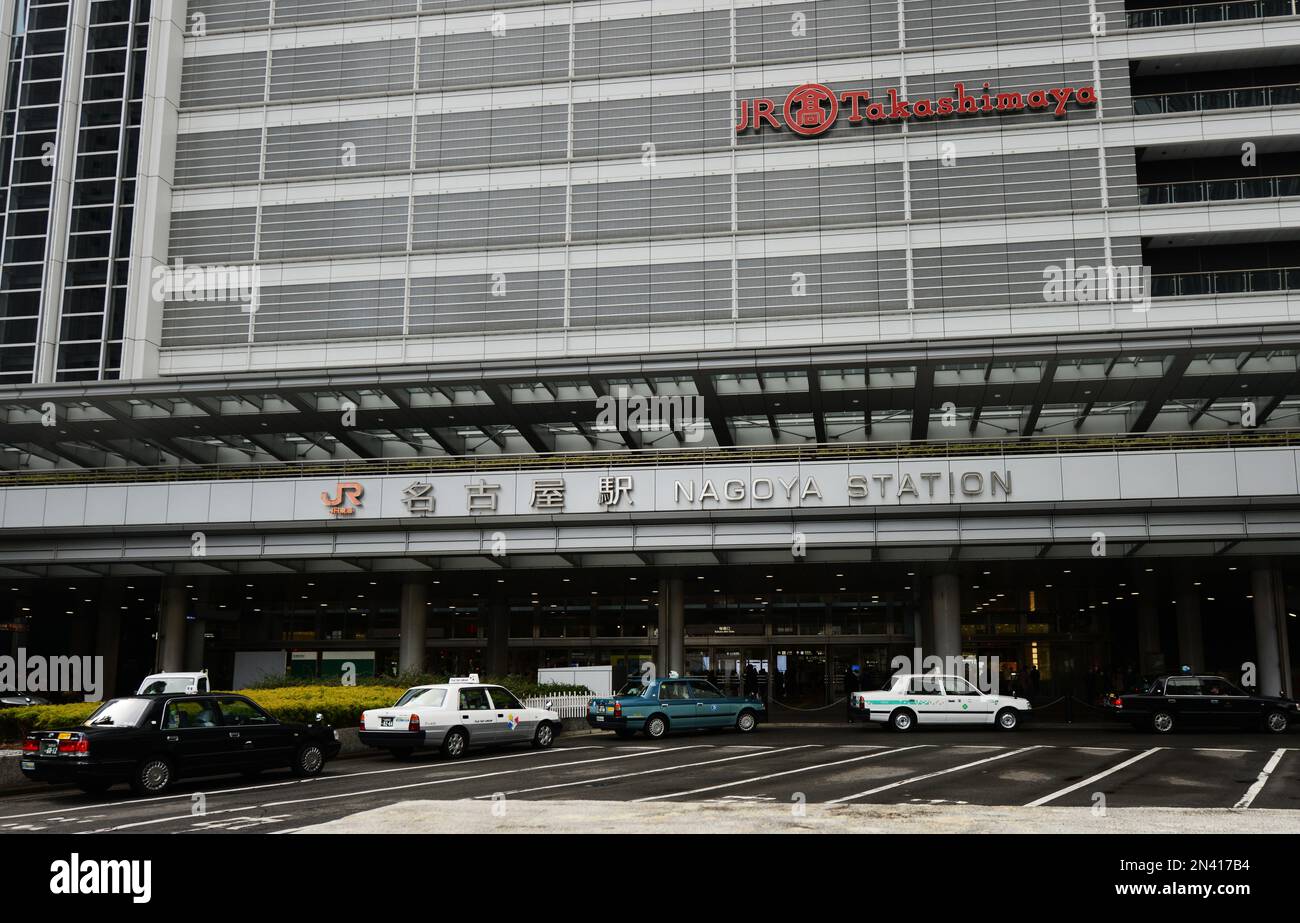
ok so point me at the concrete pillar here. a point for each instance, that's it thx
(172, 607)
(108, 635)
(414, 614)
(672, 625)
(196, 645)
(1272, 654)
(945, 610)
(497, 662)
(1191, 647)
(1151, 657)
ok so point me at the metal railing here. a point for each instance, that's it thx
(567, 706)
(1226, 282)
(654, 458)
(1219, 190)
(1282, 94)
(1190, 14)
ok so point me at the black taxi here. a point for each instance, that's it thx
(150, 741)
(1187, 699)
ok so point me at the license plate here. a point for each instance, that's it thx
(50, 748)
(385, 722)
(27, 764)
(600, 717)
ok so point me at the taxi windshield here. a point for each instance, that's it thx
(432, 698)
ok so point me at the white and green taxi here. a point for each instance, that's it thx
(454, 716)
(934, 699)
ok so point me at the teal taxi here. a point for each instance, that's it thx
(676, 703)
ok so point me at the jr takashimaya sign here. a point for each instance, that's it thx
(813, 108)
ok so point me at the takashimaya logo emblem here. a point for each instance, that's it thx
(811, 109)
(345, 501)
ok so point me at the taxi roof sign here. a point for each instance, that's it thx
(472, 678)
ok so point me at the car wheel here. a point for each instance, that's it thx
(1007, 720)
(625, 734)
(1276, 722)
(152, 777)
(400, 753)
(656, 726)
(1162, 722)
(747, 722)
(94, 788)
(544, 737)
(453, 745)
(902, 720)
(309, 761)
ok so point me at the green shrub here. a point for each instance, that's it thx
(340, 705)
(522, 686)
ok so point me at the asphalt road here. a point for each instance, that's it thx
(829, 765)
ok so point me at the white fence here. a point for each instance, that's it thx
(568, 706)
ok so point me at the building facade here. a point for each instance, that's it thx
(763, 339)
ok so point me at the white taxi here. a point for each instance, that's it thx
(909, 699)
(454, 716)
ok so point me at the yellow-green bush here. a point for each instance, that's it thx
(341, 706)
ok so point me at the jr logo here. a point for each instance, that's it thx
(346, 501)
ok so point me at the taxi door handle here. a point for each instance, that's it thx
(501, 714)
(172, 738)
(234, 733)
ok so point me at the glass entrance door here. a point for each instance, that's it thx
(800, 679)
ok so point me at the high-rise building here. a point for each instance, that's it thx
(763, 339)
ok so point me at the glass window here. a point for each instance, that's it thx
(1182, 685)
(123, 713)
(703, 690)
(430, 698)
(671, 691)
(1215, 685)
(241, 712)
(190, 713)
(504, 698)
(925, 685)
(475, 699)
(958, 686)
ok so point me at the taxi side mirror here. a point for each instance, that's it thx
(548, 705)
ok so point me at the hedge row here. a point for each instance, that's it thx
(522, 686)
(341, 705)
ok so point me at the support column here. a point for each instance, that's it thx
(945, 612)
(195, 645)
(497, 662)
(672, 626)
(1272, 654)
(1191, 648)
(414, 615)
(108, 635)
(1151, 657)
(171, 625)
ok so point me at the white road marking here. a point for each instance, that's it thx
(135, 802)
(776, 775)
(932, 775)
(1091, 779)
(1258, 786)
(390, 788)
(647, 772)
